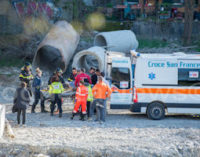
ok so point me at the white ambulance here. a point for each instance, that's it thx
(162, 83)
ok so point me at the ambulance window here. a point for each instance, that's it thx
(120, 75)
(188, 77)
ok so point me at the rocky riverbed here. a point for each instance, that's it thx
(123, 134)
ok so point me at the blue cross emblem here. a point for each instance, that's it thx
(152, 76)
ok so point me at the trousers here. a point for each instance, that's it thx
(23, 112)
(88, 108)
(83, 104)
(57, 100)
(39, 96)
(101, 110)
(93, 107)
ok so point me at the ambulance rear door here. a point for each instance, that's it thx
(121, 74)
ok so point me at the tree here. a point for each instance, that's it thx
(156, 8)
(78, 7)
(142, 7)
(189, 12)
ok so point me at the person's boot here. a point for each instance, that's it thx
(89, 118)
(72, 117)
(43, 111)
(60, 115)
(33, 109)
(83, 117)
(51, 114)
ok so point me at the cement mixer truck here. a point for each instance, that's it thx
(154, 84)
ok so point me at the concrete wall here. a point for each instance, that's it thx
(163, 30)
(2, 119)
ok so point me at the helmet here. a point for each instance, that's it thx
(59, 70)
(27, 64)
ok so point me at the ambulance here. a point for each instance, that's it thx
(156, 84)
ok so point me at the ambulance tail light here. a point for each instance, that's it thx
(135, 97)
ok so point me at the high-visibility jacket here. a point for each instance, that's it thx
(101, 91)
(29, 77)
(56, 88)
(90, 96)
(82, 93)
(25, 74)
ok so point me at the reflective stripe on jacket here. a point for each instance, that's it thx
(25, 74)
(56, 88)
(81, 93)
(26, 77)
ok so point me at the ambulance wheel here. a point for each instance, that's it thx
(156, 111)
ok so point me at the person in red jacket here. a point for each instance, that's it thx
(81, 100)
(82, 76)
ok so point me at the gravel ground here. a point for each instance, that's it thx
(123, 134)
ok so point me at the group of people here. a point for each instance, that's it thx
(92, 92)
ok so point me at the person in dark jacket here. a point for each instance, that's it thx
(22, 100)
(73, 75)
(58, 73)
(37, 93)
(93, 76)
(98, 73)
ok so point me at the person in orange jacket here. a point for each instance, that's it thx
(100, 91)
(81, 100)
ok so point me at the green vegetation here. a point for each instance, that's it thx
(198, 46)
(196, 43)
(76, 8)
(56, 1)
(11, 62)
(145, 43)
(113, 25)
(109, 5)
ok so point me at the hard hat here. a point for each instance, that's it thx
(59, 70)
(27, 64)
